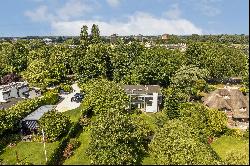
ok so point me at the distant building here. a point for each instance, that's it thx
(181, 46)
(47, 40)
(147, 98)
(139, 37)
(164, 36)
(113, 38)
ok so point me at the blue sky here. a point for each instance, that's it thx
(124, 17)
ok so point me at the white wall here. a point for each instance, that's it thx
(154, 107)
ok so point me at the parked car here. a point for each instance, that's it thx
(77, 97)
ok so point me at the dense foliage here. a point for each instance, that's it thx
(177, 143)
(101, 95)
(10, 118)
(54, 124)
(115, 139)
(219, 60)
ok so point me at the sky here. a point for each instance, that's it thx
(123, 17)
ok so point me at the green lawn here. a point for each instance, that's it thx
(73, 114)
(80, 158)
(226, 144)
(148, 161)
(32, 151)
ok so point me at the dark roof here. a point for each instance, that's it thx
(11, 102)
(31, 124)
(37, 114)
(141, 89)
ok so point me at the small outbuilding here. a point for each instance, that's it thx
(30, 123)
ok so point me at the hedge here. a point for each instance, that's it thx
(10, 118)
(57, 155)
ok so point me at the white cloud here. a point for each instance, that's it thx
(113, 3)
(40, 14)
(208, 7)
(139, 23)
(72, 8)
(174, 12)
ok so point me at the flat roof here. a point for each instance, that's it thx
(142, 89)
(37, 114)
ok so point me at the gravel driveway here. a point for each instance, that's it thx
(66, 103)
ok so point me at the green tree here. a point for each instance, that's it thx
(177, 144)
(101, 95)
(189, 79)
(37, 73)
(95, 62)
(54, 124)
(115, 139)
(84, 35)
(95, 34)
(220, 60)
(172, 100)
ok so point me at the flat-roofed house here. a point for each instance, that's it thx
(13, 90)
(148, 98)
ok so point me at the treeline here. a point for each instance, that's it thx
(222, 39)
(44, 65)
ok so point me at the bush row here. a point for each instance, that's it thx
(10, 118)
(57, 155)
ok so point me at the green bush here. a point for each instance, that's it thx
(66, 87)
(246, 134)
(210, 88)
(57, 156)
(54, 124)
(236, 158)
(10, 118)
(237, 133)
(244, 90)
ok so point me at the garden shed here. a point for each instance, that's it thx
(30, 122)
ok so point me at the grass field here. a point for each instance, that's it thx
(226, 144)
(80, 158)
(73, 114)
(27, 151)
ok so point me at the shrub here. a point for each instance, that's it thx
(210, 88)
(66, 88)
(72, 145)
(56, 158)
(11, 117)
(234, 133)
(236, 158)
(246, 134)
(55, 124)
(244, 90)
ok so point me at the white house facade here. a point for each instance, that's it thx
(13, 90)
(145, 97)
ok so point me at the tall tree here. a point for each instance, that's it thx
(179, 144)
(95, 34)
(84, 35)
(116, 140)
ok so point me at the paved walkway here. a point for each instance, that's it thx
(66, 104)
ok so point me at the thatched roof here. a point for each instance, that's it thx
(230, 99)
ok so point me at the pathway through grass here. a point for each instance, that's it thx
(80, 158)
